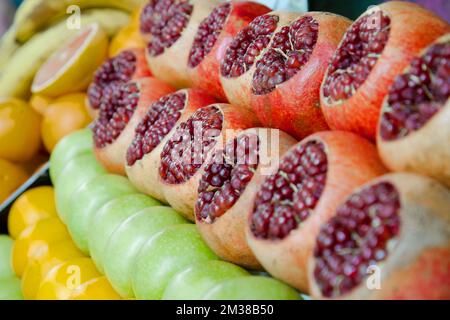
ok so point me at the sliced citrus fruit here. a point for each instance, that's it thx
(11, 177)
(71, 67)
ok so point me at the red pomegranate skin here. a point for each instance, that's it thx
(294, 105)
(206, 75)
(412, 28)
(352, 161)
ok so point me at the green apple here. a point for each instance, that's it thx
(6, 244)
(10, 289)
(87, 200)
(70, 146)
(252, 288)
(163, 256)
(125, 242)
(103, 223)
(78, 171)
(194, 282)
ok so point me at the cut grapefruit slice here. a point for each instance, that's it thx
(72, 66)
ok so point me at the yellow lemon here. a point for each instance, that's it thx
(95, 289)
(39, 103)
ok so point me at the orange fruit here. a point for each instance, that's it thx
(19, 130)
(128, 37)
(95, 289)
(39, 103)
(11, 177)
(62, 117)
(32, 206)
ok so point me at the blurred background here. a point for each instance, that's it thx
(348, 8)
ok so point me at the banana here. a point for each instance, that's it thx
(8, 46)
(18, 74)
(35, 15)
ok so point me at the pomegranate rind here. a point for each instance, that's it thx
(226, 235)
(412, 28)
(144, 173)
(113, 156)
(425, 151)
(418, 267)
(76, 71)
(287, 259)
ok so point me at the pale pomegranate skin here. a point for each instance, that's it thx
(112, 155)
(425, 148)
(143, 173)
(293, 105)
(204, 70)
(225, 235)
(410, 29)
(416, 262)
(285, 255)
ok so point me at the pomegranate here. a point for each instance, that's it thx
(414, 130)
(120, 113)
(228, 188)
(184, 154)
(172, 25)
(375, 49)
(238, 65)
(313, 178)
(127, 65)
(388, 240)
(287, 79)
(155, 128)
(213, 36)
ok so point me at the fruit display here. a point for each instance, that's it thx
(224, 150)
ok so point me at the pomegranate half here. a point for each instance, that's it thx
(390, 239)
(184, 154)
(120, 113)
(375, 49)
(228, 188)
(151, 134)
(414, 129)
(287, 79)
(314, 177)
(212, 39)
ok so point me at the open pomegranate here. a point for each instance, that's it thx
(151, 134)
(287, 79)
(120, 112)
(388, 240)
(376, 48)
(184, 154)
(127, 65)
(313, 178)
(414, 130)
(228, 188)
(238, 65)
(171, 25)
(212, 39)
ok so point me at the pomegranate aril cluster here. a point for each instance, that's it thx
(165, 20)
(156, 124)
(226, 177)
(187, 150)
(290, 50)
(207, 34)
(248, 45)
(287, 198)
(115, 115)
(416, 96)
(110, 75)
(357, 55)
(360, 236)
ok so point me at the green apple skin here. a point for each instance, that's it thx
(125, 242)
(6, 244)
(78, 171)
(105, 220)
(10, 288)
(87, 200)
(69, 147)
(252, 288)
(194, 282)
(163, 256)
